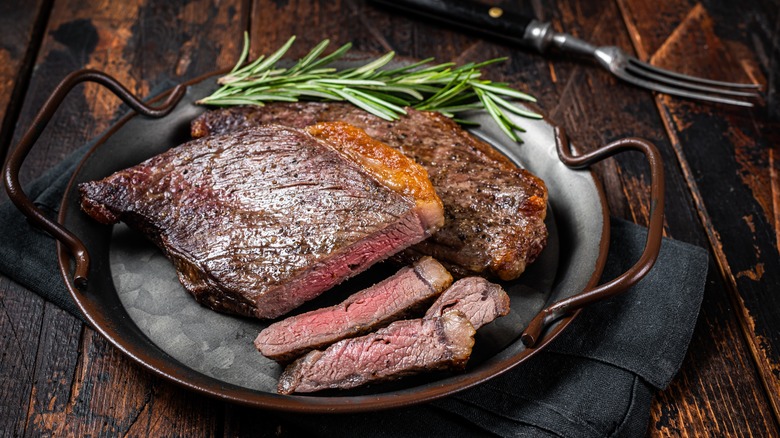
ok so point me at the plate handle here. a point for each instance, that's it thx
(629, 278)
(15, 160)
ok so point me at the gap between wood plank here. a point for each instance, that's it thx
(7, 130)
(721, 261)
(23, 77)
(704, 218)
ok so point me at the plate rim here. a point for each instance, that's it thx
(169, 369)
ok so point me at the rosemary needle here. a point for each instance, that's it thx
(372, 87)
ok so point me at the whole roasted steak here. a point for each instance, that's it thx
(494, 211)
(258, 221)
(411, 289)
(402, 348)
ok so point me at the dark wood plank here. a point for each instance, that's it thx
(728, 154)
(242, 421)
(595, 108)
(20, 323)
(709, 378)
(80, 384)
(693, 405)
(57, 380)
(100, 393)
(583, 106)
(369, 29)
(97, 391)
(20, 311)
(21, 37)
(174, 411)
(145, 46)
(627, 189)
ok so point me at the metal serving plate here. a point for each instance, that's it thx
(135, 300)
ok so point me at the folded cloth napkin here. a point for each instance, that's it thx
(596, 379)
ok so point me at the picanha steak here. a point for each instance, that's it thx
(480, 300)
(413, 288)
(402, 348)
(494, 211)
(258, 221)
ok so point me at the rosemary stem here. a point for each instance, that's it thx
(372, 87)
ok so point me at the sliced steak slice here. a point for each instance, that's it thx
(411, 289)
(480, 300)
(260, 220)
(402, 348)
(494, 211)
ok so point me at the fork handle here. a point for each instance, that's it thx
(485, 19)
(493, 21)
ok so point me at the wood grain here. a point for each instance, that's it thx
(103, 394)
(711, 395)
(723, 192)
(20, 310)
(147, 46)
(73, 382)
(20, 323)
(727, 156)
(21, 37)
(574, 95)
(583, 110)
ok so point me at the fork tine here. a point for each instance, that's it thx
(661, 71)
(688, 85)
(678, 91)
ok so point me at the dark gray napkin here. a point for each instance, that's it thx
(597, 379)
(28, 255)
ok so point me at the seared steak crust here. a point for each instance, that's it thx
(260, 220)
(494, 211)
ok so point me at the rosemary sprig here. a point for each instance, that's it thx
(381, 91)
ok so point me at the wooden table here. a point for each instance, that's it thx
(722, 165)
